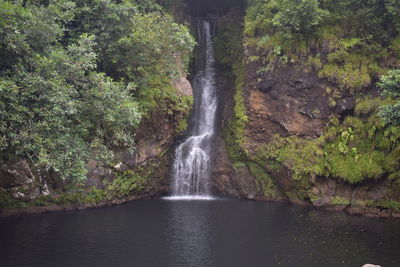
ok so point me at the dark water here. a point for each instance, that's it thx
(198, 233)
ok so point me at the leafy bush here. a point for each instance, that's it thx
(390, 84)
(291, 20)
(60, 109)
(355, 151)
(125, 184)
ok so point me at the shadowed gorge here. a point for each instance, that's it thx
(203, 8)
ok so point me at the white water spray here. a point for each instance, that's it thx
(191, 170)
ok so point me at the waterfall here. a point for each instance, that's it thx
(191, 169)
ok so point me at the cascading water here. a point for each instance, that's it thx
(191, 168)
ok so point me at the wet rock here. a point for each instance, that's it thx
(18, 195)
(356, 210)
(345, 104)
(323, 201)
(19, 179)
(97, 174)
(377, 192)
(335, 207)
(283, 179)
(266, 85)
(222, 172)
(183, 86)
(246, 183)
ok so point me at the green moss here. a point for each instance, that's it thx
(352, 72)
(239, 164)
(229, 53)
(302, 157)
(314, 63)
(395, 46)
(182, 108)
(354, 151)
(338, 200)
(367, 105)
(298, 194)
(8, 202)
(380, 204)
(264, 181)
(238, 123)
(125, 184)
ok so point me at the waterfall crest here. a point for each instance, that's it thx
(191, 169)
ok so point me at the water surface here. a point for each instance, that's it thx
(198, 233)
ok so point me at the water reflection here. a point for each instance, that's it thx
(188, 233)
(199, 233)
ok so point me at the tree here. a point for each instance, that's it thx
(60, 112)
(393, 8)
(390, 84)
(73, 76)
(291, 19)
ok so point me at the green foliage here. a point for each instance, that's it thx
(352, 64)
(149, 56)
(76, 77)
(184, 106)
(60, 111)
(229, 53)
(8, 202)
(337, 200)
(302, 157)
(361, 149)
(355, 151)
(367, 105)
(290, 20)
(137, 43)
(346, 42)
(125, 184)
(352, 74)
(264, 181)
(390, 84)
(393, 8)
(29, 29)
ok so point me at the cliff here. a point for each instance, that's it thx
(303, 126)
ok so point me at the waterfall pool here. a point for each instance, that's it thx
(218, 232)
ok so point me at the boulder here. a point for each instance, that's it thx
(18, 178)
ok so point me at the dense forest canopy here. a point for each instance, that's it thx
(77, 76)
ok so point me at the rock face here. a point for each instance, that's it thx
(230, 180)
(289, 101)
(286, 103)
(294, 104)
(22, 183)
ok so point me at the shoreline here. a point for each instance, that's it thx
(369, 212)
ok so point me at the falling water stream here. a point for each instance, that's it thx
(191, 168)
